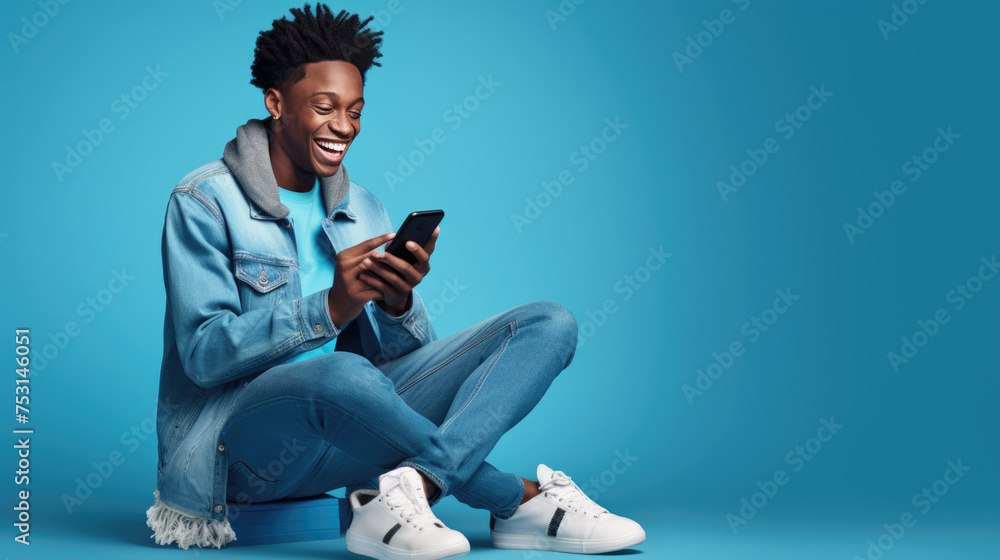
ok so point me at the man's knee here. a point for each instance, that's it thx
(559, 325)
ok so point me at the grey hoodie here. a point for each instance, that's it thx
(248, 158)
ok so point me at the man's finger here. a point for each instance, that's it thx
(398, 266)
(366, 290)
(369, 244)
(387, 288)
(432, 242)
(419, 252)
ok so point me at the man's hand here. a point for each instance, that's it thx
(396, 278)
(349, 294)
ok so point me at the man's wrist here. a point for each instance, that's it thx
(395, 311)
(331, 310)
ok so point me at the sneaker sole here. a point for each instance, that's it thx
(562, 544)
(376, 549)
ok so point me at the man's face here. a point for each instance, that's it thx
(320, 115)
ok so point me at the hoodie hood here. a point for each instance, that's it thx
(249, 160)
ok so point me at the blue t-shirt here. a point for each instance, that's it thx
(316, 263)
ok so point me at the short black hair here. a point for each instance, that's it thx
(283, 50)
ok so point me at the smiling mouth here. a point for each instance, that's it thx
(334, 148)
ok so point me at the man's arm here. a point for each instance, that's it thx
(405, 333)
(216, 341)
(405, 327)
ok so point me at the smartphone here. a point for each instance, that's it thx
(417, 227)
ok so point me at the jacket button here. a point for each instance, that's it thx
(318, 329)
(222, 448)
(263, 278)
(218, 509)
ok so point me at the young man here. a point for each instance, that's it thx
(299, 359)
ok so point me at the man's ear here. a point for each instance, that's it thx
(273, 102)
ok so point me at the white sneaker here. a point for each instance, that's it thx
(562, 518)
(396, 522)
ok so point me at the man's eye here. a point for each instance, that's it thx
(325, 109)
(355, 115)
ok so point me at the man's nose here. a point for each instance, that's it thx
(339, 126)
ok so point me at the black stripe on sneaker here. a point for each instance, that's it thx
(556, 520)
(390, 533)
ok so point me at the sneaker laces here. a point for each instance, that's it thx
(562, 487)
(417, 514)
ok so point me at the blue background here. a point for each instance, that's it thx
(655, 186)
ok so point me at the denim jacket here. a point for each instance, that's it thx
(234, 308)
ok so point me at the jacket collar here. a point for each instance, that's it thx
(248, 159)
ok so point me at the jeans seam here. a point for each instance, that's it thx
(453, 357)
(516, 502)
(482, 378)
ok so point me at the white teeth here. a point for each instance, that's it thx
(337, 147)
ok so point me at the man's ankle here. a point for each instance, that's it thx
(530, 490)
(431, 490)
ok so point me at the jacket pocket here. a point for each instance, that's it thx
(263, 281)
(244, 486)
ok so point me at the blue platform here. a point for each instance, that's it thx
(290, 520)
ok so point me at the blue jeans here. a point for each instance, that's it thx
(337, 420)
